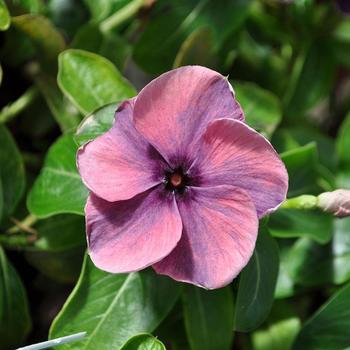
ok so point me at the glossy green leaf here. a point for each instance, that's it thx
(328, 328)
(5, 18)
(343, 143)
(257, 284)
(301, 164)
(15, 321)
(208, 318)
(96, 124)
(156, 49)
(58, 188)
(91, 81)
(280, 330)
(12, 176)
(288, 223)
(261, 108)
(41, 31)
(113, 307)
(143, 342)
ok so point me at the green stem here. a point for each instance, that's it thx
(305, 201)
(122, 15)
(16, 107)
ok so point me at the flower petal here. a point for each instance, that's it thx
(173, 110)
(234, 154)
(130, 235)
(120, 163)
(220, 227)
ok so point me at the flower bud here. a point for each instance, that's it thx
(335, 202)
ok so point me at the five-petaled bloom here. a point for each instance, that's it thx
(179, 182)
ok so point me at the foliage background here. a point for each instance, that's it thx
(66, 60)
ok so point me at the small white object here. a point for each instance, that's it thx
(55, 342)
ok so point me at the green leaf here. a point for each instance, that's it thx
(90, 38)
(12, 176)
(286, 139)
(311, 264)
(60, 232)
(257, 284)
(91, 81)
(113, 307)
(343, 143)
(96, 124)
(41, 31)
(208, 318)
(197, 49)
(288, 223)
(32, 6)
(262, 109)
(280, 331)
(5, 18)
(301, 164)
(328, 328)
(60, 107)
(58, 188)
(304, 89)
(15, 321)
(61, 266)
(285, 286)
(156, 49)
(103, 8)
(143, 342)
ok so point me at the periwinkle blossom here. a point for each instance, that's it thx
(179, 182)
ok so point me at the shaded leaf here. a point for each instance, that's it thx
(197, 49)
(287, 223)
(12, 176)
(343, 143)
(60, 232)
(301, 164)
(91, 81)
(328, 328)
(42, 32)
(311, 79)
(111, 308)
(156, 49)
(280, 331)
(90, 38)
(61, 266)
(58, 188)
(60, 108)
(15, 321)
(257, 284)
(208, 318)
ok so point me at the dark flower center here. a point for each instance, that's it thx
(176, 180)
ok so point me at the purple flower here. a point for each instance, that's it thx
(179, 182)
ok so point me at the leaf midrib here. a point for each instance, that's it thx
(111, 306)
